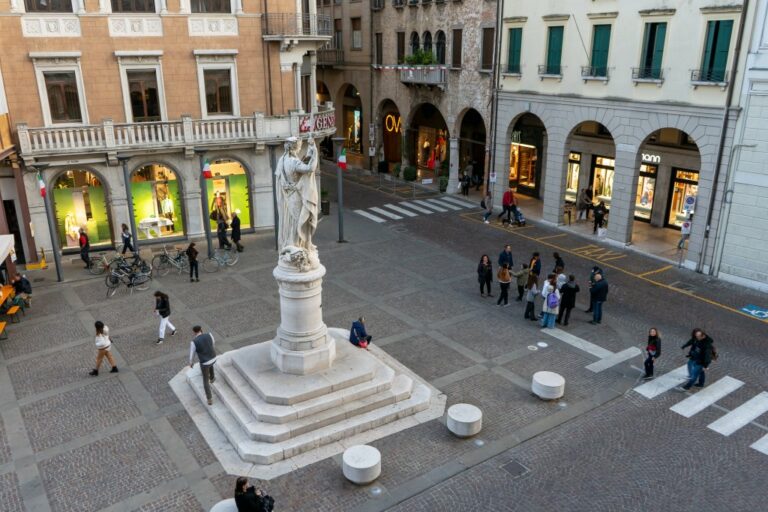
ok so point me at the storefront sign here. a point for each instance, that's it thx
(392, 123)
(426, 181)
(322, 121)
(651, 159)
(689, 203)
(757, 312)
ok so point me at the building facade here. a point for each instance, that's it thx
(160, 89)
(743, 243)
(432, 84)
(626, 97)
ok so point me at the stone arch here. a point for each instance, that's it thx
(350, 109)
(248, 172)
(590, 161)
(472, 135)
(322, 91)
(526, 144)
(426, 132)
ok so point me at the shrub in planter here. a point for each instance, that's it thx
(410, 173)
(396, 171)
(443, 183)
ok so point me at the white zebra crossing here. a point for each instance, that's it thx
(405, 212)
(445, 204)
(370, 216)
(456, 200)
(385, 213)
(422, 202)
(412, 208)
(417, 208)
(761, 445)
(663, 383)
(706, 397)
(741, 416)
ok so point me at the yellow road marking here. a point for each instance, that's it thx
(552, 236)
(662, 269)
(627, 272)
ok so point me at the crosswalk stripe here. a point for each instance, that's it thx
(401, 210)
(579, 343)
(742, 415)
(417, 208)
(429, 205)
(707, 396)
(614, 359)
(445, 204)
(459, 202)
(761, 444)
(385, 213)
(663, 383)
(370, 216)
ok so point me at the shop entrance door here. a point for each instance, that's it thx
(646, 189)
(13, 228)
(682, 197)
(572, 181)
(602, 179)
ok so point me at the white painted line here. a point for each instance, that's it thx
(463, 204)
(429, 205)
(417, 208)
(401, 210)
(743, 415)
(448, 205)
(579, 343)
(614, 359)
(370, 216)
(761, 444)
(385, 213)
(659, 385)
(706, 397)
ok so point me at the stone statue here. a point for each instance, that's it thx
(297, 200)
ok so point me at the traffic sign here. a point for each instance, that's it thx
(689, 203)
(492, 177)
(685, 229)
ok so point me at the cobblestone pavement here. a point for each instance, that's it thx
(70, 442)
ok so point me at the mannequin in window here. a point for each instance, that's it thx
(71, 229)
(166, 207)
(219, 208)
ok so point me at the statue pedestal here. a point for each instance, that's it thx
(302, 345)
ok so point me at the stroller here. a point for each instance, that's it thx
(517, 217)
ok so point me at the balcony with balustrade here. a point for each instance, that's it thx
(428, 76)
(107, 138)
(291, 26)
(330, 57)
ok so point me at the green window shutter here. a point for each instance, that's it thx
(515, 45)
(600, 42)
(709, 47)
(722, 45)
(554, 50)
(644, 59)
(658, 49)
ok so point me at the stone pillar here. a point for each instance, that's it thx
(297, 86)
(404, 149)
(622, 213)
(192, 207)
(555, 174)
(313, 81)
(453, 169)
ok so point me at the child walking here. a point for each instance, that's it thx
(653, 351)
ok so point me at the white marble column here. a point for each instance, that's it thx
(453, 169)
(297, 86)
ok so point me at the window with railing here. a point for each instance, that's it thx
(716, 47)
(218, 91)
(554, 52)
(414, 42)
(48, 5)
(653, 52)
(398, 3)
(601, 39)
(211, 6)
(133, 6)
(427, 44)
(63, 96)
(338, 33)
(515, 46)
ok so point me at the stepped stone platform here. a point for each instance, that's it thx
(264, 423)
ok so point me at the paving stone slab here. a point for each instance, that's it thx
(55, 370)
(177, 501)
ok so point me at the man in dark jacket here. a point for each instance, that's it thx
(506, 257)
(699, 357)
(595, 270)
(203, 346)
(357, 334)
(567, 299)
(598, 294)
(221, 234)
(236, 230)
(535, 264)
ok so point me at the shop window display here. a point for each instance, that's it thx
(156, 202)
(602, 179)
(79, 201)
(685, 184)
(572, 181)
(432, 147)
(646, 188)
(522, 165)
(228, 192)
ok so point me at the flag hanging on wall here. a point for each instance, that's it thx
(343, 159)
(207, 170)
(41, 184)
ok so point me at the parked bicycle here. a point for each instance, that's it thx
(221, 257)
(124, 274)
(101, 263)
(163, 263)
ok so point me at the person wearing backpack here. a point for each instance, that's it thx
(551, 307)
(505, 278)
(700, 355)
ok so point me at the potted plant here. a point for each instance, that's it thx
(410, 173)
(443, 183)
(396, 171)
(325, 204)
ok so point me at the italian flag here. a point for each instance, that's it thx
(343, 159)
(207, 170)
(41, 184)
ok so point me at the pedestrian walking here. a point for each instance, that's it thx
(567, 300)
(558, 262)
(85, 248)
(535, 264)
(192, 253)
(595, 270)
(584, 204)
(235, 225)
(551, 303)
(485, 275)
(505, 279)
(487, 205)
(532, 290)
(163, 310)
(203, 346)
(505, 256)
(700, 356)
(221, 234)
(598, 295)
(522, 279)
(127, 239)
(652, 351)
(103, 345)
(600, 212)
(465, 181)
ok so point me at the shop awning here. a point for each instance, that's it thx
(6, 246)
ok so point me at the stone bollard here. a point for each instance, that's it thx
(361, 464)
(548, 385)
(464, 420)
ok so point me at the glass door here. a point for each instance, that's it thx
(682, 197)
(646, 187)
(602, 179)
(572, 181)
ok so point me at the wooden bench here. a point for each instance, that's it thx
(13, 313)
(3, 334)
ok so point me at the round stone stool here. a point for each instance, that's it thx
(464, 420)
(225, 506)
(361, 464)
(548, 385)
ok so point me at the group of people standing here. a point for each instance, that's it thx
(557, 292)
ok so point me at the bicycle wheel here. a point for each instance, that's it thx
(97, 265)
(211, 265)
(233, 257)
(113, 282)
(141, 282)
(160, 265)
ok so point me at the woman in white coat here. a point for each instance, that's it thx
(551, 306)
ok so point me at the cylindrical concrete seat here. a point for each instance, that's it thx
(361, 464)
(548, 385)
(225, 506)
(464, 420)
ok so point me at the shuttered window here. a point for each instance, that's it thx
(456, 45)
(716, 48)
(515, 45)
(486, 60)
(600, 42)
(653, 50)
(554, 51)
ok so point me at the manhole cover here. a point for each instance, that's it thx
(514, 468)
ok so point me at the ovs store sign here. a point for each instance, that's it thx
(322, 121)
(392, 123)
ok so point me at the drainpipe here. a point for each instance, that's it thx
(372, 121)
(723, 132)
(266, 46)
(491, 152)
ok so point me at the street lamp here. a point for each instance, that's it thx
(40, 168)
(337, 145)
(131, 217)
(200, 152)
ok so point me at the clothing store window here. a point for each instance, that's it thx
(572, 180)
(602, 179)
(156, 202)
(682, 199)
(646, 189)
(79, 201)
(522, 164)
(228, 192)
